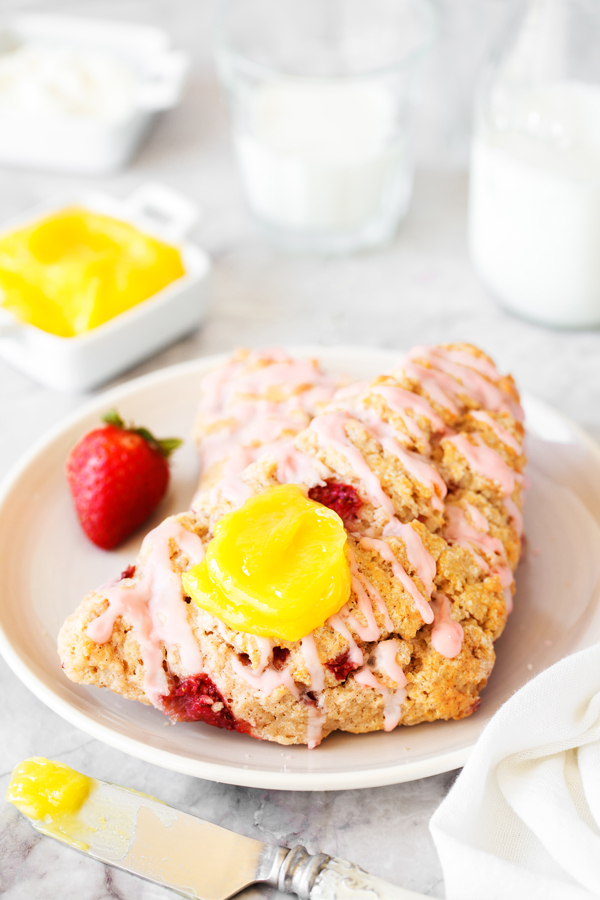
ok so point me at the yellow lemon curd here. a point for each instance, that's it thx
(73, 808)
(44, 790)
(76, 269)
(276, 567)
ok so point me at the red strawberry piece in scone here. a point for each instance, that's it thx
(117, 475)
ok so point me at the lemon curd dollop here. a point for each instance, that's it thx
(277, 567)
(76, 269)
(42, 789)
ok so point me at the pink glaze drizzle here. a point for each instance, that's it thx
(255, 423)
(419, 557)
(468, 381)
(302, 378)
(375, 597)
(293, 467)
(414, 463)
(415, 431)
(330, 430)
(386, 658)
(265, 648)
(477, 518)
(267, 681)
(485, 461)
(351, 390)
(231, 486)
(446, 635)
(515, 514)
(405, 580)
(490, 465)
(421, 471)
(506, 580)
(479, 363)
(305, 383)
(393, 700)
(355, 654)
(231, 399)
(378, 599)
(440, 387)
(411, 425)
(501, 433)
(458, 531)
(155, 607)
(400, 400)
(313, 664)
(314, 726)
(370, 631)
(296, 467)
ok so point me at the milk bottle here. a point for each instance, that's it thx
(534, 218)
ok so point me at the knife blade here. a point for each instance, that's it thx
(199, 860)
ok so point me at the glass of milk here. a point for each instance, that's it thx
(534, 221)
(321, 95)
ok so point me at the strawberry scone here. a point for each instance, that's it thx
(358, 584)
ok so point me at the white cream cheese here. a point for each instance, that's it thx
(39, 79)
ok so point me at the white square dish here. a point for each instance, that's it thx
(92, 144)
(82, 362)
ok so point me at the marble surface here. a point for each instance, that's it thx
(420, 288)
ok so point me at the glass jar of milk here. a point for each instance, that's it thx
(534, 219)
(321, 95)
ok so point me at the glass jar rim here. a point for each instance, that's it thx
(224, 48)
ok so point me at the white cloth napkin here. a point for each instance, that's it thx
(522, 821)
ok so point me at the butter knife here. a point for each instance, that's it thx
(136, 833)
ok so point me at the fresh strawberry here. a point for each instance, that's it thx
(117, 477)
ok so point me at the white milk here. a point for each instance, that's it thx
(323, 157)
(534, 226)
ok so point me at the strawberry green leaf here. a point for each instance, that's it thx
(112, 417)
(167, 445)
(147, 435)
(164, 446)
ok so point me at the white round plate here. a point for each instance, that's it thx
(48, 566)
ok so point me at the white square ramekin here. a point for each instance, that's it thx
(86, 144)
(82, 362)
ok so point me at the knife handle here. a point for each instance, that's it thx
(323, 877)
(344, 880)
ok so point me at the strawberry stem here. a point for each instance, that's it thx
(164, 446)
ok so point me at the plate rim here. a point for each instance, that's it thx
(240, 775)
